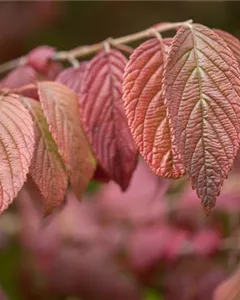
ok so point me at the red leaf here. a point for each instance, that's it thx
(145, 108)
(202, 87)
(53, 70)
(61, 109)
(39, 58)
(232, 42)
(47, 168)
(100, 175)
(104, 117)
(19, 77)
(16, 147)
(73, 77)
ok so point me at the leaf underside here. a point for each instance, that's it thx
(60, 106)
(16, 147)
(202, 89)
(145, 108)
(47, 168)
(104, 116)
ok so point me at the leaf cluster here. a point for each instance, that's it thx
(176, 101)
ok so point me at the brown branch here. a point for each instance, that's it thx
(88, 50)
(12, 64)
(81, 51)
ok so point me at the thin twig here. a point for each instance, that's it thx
(81, 51)
(88, 50)
(12, 64)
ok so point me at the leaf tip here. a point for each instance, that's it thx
(207, 209)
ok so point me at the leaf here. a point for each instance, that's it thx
(16, 147)
(73, 77)
(229, 289)
(145, 108)
(192, 278)
(19, 77)
(202, 90)
(232, 42)
(40, 58)
(47, 168)
(29, 90)
(61, 110)
(104, 116)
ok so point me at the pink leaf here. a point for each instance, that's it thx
(47, 168)
(73, 77)
(29, 90)
(202, 87)
(104, 117)
(145, 108)
(39, 58)
(16, 147)
(19, 77)
(61, 109)
(232, 42)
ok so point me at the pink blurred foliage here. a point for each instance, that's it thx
(193, 279)
(38, 66)
(112, 244)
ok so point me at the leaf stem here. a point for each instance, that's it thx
(81, 51)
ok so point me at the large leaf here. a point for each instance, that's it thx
(60, 106)
(232, 42)
(104, 116)
(16, 147)
(202, 87)
(47, 168)
(145, 108)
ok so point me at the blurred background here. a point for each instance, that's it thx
(152, 242)
(66, 24)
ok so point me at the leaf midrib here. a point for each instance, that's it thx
(199, 77)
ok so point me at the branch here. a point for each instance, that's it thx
(81, 51)
(121, 41)
(12, 64)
